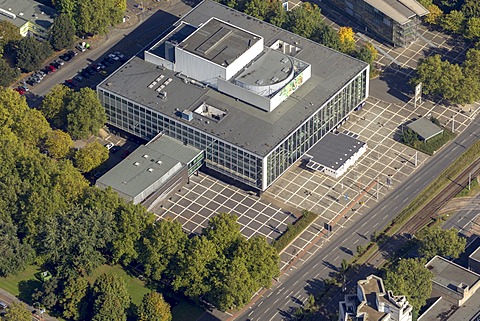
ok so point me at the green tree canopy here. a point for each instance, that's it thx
(367, 53)
(17, 312)
(15, 254)
(30, 53)
(7, 73)
(224, 231)
(164, 241)
(54, 105)
(327, 36)
(85, 114)
(8, 32)
(453, 21)
(62, 32)
(304, 19)
(58, 143)
(90, 157)
(472, 30)
(72, 242)
(154, 308)
(277, 15)
(471, 9)
(436, 241)
(257, 8)
(111, 298)
(73, 298)
(411, 278)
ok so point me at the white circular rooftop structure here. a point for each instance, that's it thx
(268, 73)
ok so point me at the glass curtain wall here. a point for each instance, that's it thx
(323, 121)
(146, 123)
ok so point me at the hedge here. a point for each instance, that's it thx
(294, 230)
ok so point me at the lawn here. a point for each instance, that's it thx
(135, 287)
(14, 283)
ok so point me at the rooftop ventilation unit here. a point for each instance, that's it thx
(145, 156)
(187, 115)
(150, 170)
(136, 163)
(159, 162)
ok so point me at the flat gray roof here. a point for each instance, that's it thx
(27, 10)
(450, 274)
(425, 128)
(334, 149)
(246, 126)
(148, 164)
(399, 10)
(219, 42)
(476, 254)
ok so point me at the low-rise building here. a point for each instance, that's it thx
(396, 21)
(373, 303)
(31, 17)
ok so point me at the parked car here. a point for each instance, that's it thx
(99, 66)
(24, 87)
(3, 305)
(80, 47)
(71, 83)
(119, 54)
(113, 56)
(104, 73)
(20, 91)
(109, 145)
(72, 53)
(78, 78)
(105, 62)
(91, 71)
(56, 65)
(85, 73)
(61, 63)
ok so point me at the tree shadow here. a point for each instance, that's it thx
(346, 250)
(397, 82)
(330, 266)
(27, 289)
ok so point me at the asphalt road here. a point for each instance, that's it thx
(305, 278)
(462, 219)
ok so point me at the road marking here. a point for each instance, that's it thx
(250, 313)
(356, 241)
(336, 258)
(406, 199)
(375, 225)
(261, 302)
(382, 208)
(364, 224)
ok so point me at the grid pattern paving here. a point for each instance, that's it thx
(206, 196)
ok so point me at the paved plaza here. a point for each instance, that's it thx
(385, 165)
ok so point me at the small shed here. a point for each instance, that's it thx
(425, 128)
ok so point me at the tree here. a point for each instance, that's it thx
(30, 53)
(257, 8)
(436, 241)
(453, 21)
(194, 270)
(277, 15)
(58, 143)
(368, 53)
(85, 114)
(47, 295)
(111, 298)
(73, 298)
(7, 73)
(95, 17)
(54, 105)
(17, 312)
(62, 32)
(304, 19)
(409, 137)
(411, 278)
(471, 9)
(72, 242)
(164, 241)
(154, 308)
(435, 15)
(347, 41)
(131, 221)
(90, 157)
(327, 36)
(32, 127)
(8, 33)
(473, 28)
(224, 231)
(15, 254)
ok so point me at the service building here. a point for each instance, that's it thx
(254, 97)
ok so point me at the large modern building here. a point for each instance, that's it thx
(255, 98)
(396, 21)
(30, 17)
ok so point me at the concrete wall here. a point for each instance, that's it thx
(159, 61)
(198, 68)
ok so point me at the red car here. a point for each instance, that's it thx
(51, 68)
(21, 91)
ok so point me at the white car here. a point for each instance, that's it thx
(3, 305)
(110, 146)
(119, 54)
(114, 57)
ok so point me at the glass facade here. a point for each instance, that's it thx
(227, 158)
(223, 157)
(320, 123)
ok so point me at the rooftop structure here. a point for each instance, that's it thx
(452, 281)
(255, 106)
(335, 153)
(425, 128)
(29, 16)
(373, 303)
(474, 261)
(149, 168)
